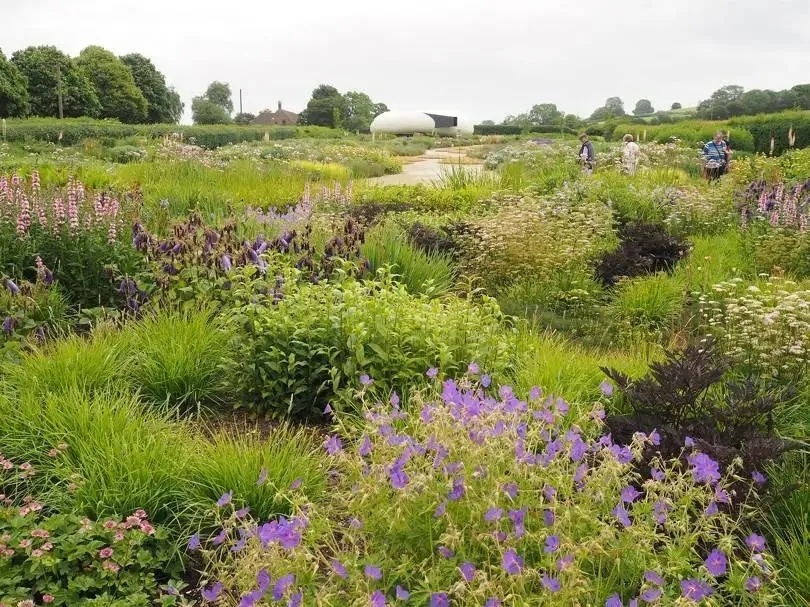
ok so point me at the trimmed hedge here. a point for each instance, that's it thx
(513, 129)
(74, 130)
(497, 129)
(690, 132)
(776, 126)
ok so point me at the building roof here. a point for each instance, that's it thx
(280, 116)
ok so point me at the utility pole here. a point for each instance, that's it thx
(59, 90)
(240, 101)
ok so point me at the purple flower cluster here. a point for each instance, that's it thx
(445, 458)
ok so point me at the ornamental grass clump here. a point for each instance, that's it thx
(476, 496)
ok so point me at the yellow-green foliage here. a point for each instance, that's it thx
(533, 238)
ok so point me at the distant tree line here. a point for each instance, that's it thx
(43, 81)
(726, 102)
(732, 100)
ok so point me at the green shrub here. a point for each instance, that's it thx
(297, 355)
(29, 311)
(692, 133)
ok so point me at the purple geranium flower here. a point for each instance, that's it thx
(755, 542)
(377, 599)
(695, 590)
(225, 499)
(614, 600)
(440, 510)
(373, 572)
(622, 516)
(194, 542)
(548, 517)
(439, 599)
(282, 584)
(473, 368)
(445, 552)
(432, 372)
(651, 595)
(552, 543)
(630, 494)
(653, 578)
(607, 388)
(493, 514)
(511, 489)
(493, 602)
(339, 569)
(512, 562)
(467, 571)
(704, 468)
(758, 477)
(365, 380)
(753, 584)
(550, 583)
(333, 445)
(402, 594)
(486, 381)
(211, 594)
(296, 599)
(716, 563)
(262, 477)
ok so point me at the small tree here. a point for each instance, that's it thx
(244, 118)
(220, 93)
(204, 111)
(676, 106)
(643, 108)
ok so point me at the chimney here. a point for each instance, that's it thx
(279, 106)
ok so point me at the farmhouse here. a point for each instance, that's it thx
(279, 117)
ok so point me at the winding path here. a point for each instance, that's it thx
(429, 167)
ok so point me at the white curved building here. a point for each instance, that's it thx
(411, 123)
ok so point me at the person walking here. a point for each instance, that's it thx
(586, 155)
(630, 155)
(715, 157)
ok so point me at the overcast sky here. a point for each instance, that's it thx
(482, 59)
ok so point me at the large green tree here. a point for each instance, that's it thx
(360, 111)
(220, 94)
(13, 90)
(161, 105)
(327, 107)
(544, 114)
(114, 84)
(46, 70)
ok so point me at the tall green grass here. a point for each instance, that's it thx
(420, 272)
(175, 359)
(233, 459)
(564, 368)
(211, 190)
(90, 365)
